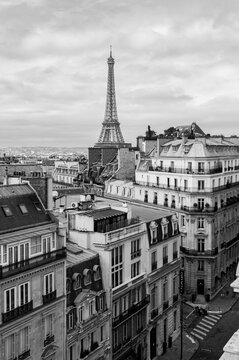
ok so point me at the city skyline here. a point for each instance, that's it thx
(175, 63)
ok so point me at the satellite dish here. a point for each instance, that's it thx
(54, 193)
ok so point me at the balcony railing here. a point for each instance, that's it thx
(18, 311)
(131, 310)
(24, 355)
(192, 171)
(194, 252)
(24, 265)
(134, 227)
(49, 297)
(49, 339)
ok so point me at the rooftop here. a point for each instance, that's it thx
(77, 254)
(20, 208)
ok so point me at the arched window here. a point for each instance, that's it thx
(76, 281)
(87, 276)
(97, 272)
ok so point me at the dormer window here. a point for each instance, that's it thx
(153, 232)
(164, 224)
(97, 272)
(174, 221)
(77, 281)
(87, 276)
(6, 210)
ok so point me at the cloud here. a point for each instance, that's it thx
(175, 62)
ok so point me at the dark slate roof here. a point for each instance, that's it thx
(103, 213)
(11, 197)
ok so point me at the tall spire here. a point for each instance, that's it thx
(110, 133)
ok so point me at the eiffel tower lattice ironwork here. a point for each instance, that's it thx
(111, 133)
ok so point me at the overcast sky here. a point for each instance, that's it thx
(176, 61)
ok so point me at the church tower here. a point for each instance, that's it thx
(110, 133)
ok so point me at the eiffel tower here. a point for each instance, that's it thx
(110, 134)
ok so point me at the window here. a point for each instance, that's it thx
(24, 293)
(155, 197)
(175, 320)
(125, 303)
(125, 332)
(135, 248)
(97, 272)
(185, 184)
(165, 255)
(48, 283)
(80, 313)
(201, 203)
(53, 242)
(91, 307)
(201, 184)
(115, 308)
(36, 245)
(70, 320)
(4, 254)
(139, 321)
(201, 167)
(200, 265)
(168, 182)
(102, 332)
(72, 352)
(24, 340)
(175, 183)
(115, 338)
(157, 180)
(175, 250)
(10, 302)
(146, 196)
(189, 166)
(165, 231)
(174, 285)
(174, 227)
(77, 282)
(153, 260)
(135, 269)
(10, 347)
(183, 222)
(6, 210)
(201, 245)
(23, 208)
(153, 297)
(87, 276)
(200, 223)
(117, 266)
(48, 325)
(165, 291)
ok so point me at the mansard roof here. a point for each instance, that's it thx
(199, 148)
(20, 208)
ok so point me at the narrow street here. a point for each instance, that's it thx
(211, 347)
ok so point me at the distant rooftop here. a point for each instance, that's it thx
(103, 213)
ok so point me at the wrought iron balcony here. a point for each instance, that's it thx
(49, 297)
(18, 311)
(36, 261)
(49, 339)
(194, 252)
(24, 355)
(131, 310)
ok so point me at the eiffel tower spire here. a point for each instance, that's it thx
(110, 133)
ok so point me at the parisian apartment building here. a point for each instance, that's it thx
(198, 178)
(136, 254)
(32, 278)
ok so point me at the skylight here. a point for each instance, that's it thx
(23, 208)
(6, 210)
